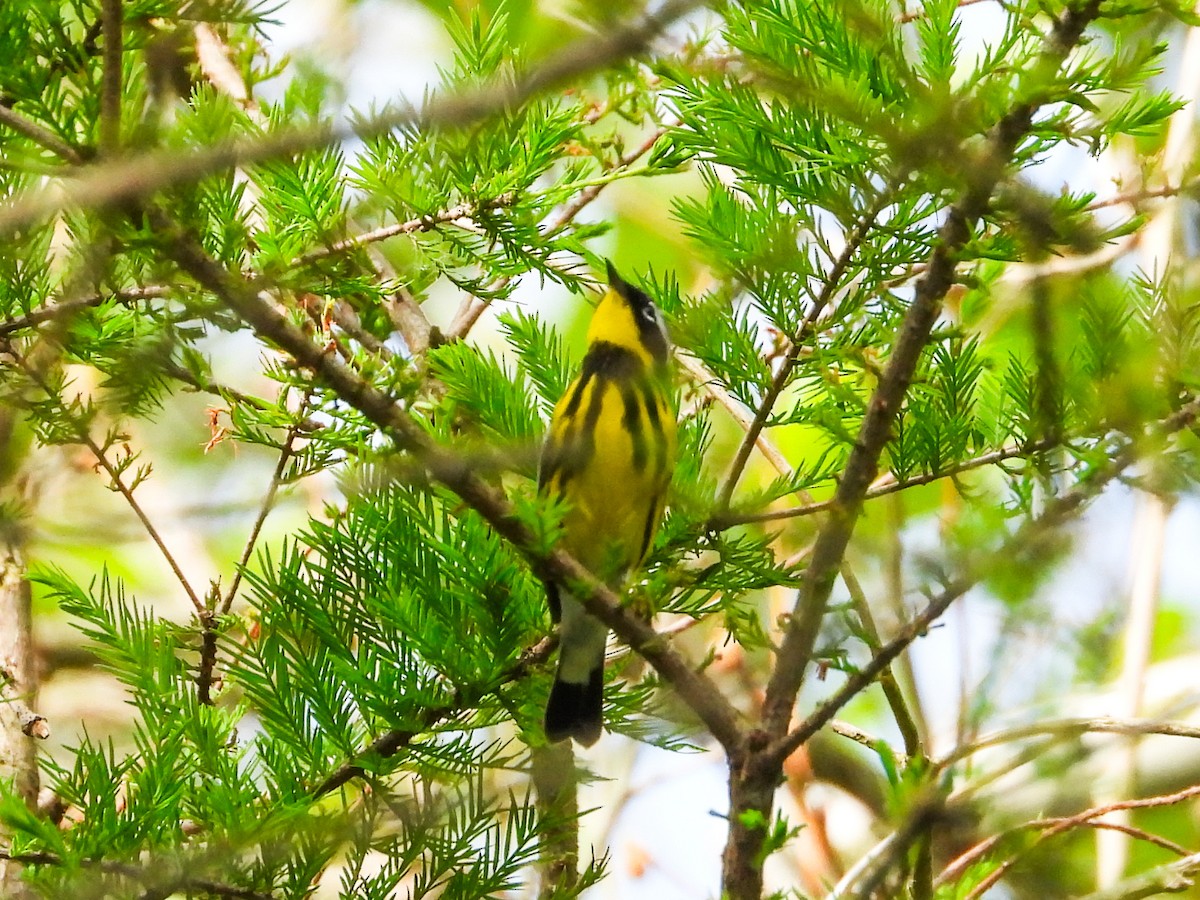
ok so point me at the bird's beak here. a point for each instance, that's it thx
(614, 280)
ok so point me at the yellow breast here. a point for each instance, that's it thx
(609, 456)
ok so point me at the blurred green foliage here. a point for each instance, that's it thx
(776, 175)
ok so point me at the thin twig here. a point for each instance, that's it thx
(211, 619)
(895, 697)
(571, 210)
(959, 865)
(1171, 878)
(708, 383)
(861, 882)
(888, 484)
(40, 135)
(1067, 728)
(896, 530)
(228, 392)
(891, 690)
(421, 223)
(268, 503)
(118, 483)
(870, 741)
(832, 284)
(54, 311)
(1069, 822)
(905, 18)
(1132, 198)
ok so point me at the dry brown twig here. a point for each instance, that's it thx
(1049, 828)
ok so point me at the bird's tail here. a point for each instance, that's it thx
(576, 709)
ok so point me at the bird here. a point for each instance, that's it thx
(608, 458)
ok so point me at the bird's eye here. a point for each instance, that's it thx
(649, 314)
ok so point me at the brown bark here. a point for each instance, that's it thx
(18, 756)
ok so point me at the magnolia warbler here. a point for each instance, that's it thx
(608, 457)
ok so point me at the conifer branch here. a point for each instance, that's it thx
(796, 650)
(449, 469)
(1025, 540)
(832, 284)
(100, 454)
(473, 307)
(391, 743)
(884, 486)
(65, 308)
(140, 176)
(39, 135)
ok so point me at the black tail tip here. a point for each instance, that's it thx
(576, 710)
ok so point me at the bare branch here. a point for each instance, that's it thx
(1053, 827)
(1171, 878)
(1067, 728)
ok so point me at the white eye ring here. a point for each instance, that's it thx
(650, 314)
